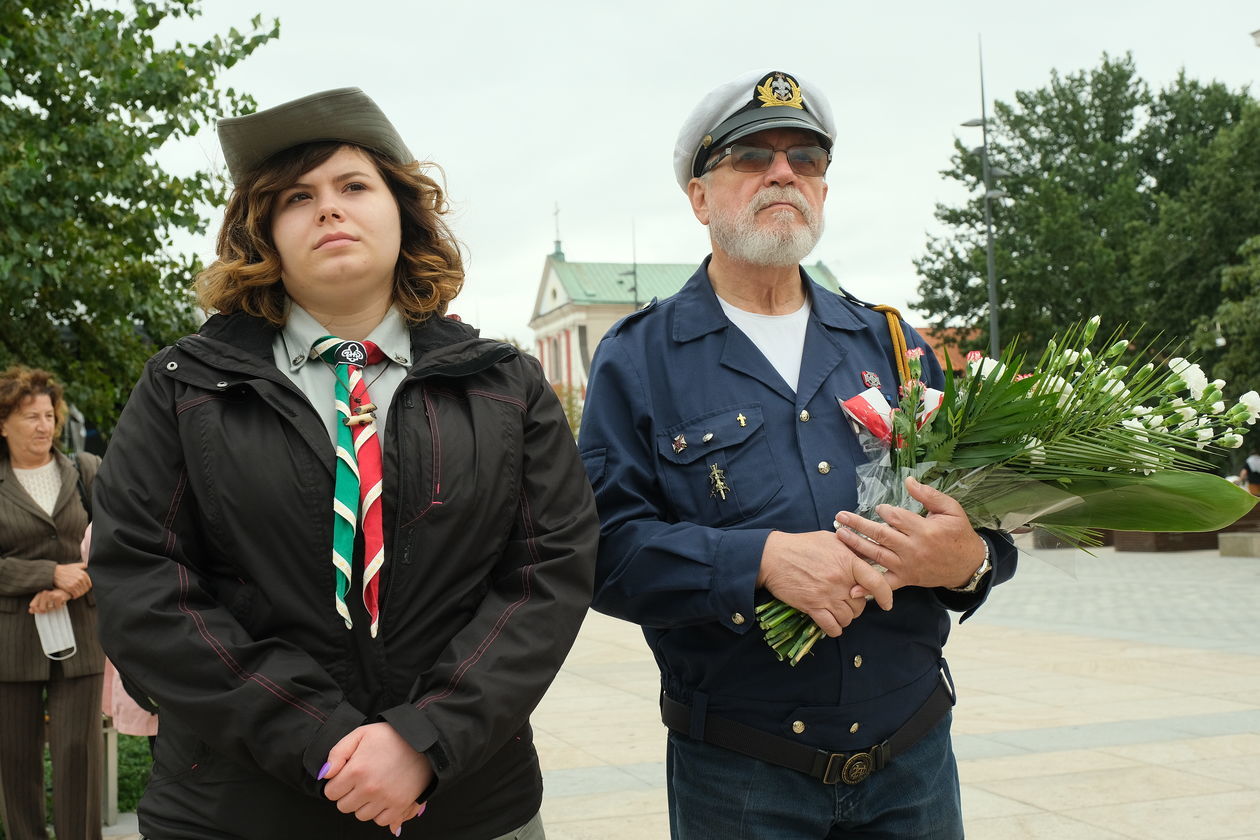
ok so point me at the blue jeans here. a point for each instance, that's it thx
(716, 794)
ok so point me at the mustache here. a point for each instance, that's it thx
(775, 195)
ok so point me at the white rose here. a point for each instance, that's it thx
(1115, 388)
(1252, 400)
(1091, 327)
(1138, 426)
(1196, 380)
(986, 367)
(1055, 385)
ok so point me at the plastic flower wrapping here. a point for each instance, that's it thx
(1078, 443)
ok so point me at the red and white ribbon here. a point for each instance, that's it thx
(930, 404)
(870, 411)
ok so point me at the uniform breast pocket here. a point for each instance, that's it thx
(717, 467)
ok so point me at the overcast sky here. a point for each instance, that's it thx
(530, 104)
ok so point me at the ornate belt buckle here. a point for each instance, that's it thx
(857, 768)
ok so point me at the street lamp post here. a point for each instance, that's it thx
(988, 171)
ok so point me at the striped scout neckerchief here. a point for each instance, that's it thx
(357, 493)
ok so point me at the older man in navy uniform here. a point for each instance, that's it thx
(720, 459)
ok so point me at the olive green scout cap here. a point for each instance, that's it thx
(345, 114)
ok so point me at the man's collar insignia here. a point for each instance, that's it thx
(779, 89)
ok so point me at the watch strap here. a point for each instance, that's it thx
(986, 566)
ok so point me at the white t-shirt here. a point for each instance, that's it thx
(43, 484)
(780, 338)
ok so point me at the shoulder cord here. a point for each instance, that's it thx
(898, 341)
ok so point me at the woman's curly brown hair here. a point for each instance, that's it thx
(246, 275)
(19, 382)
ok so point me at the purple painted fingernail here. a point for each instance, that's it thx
(323, 771)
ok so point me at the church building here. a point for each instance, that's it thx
(577, 302)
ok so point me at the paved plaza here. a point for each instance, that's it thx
(1114, 697)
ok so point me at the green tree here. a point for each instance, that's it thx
(1090, 157)
(572, 403)
(1201, 261)
(90, 279)
(1236, 322)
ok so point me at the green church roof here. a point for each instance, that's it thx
(587, 283)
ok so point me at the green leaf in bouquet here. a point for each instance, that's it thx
(942, 451)
(979, 455)
(1165, 500)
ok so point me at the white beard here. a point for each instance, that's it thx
(782, 242)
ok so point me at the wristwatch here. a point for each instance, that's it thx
(986, 566)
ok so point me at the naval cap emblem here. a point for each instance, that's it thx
(779, 88)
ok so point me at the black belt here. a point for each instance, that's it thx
(829, 767)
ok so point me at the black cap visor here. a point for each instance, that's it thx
(748, 122)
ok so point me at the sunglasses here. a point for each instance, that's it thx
(810, 161)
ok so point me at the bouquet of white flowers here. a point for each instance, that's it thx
(1080, 442)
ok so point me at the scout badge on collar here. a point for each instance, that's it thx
(717, 480)
(351, 353)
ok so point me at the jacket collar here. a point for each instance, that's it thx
(13, 489)
(697, 311)
(435, 341)
(301, 331)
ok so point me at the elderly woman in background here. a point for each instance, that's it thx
(343, 542)
(42, 520)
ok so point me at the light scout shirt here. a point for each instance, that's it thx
(315, 378)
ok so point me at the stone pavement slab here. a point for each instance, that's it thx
(1114, 697)
(1100, 698)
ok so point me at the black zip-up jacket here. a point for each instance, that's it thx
(212, 566)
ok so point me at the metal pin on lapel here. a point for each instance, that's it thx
(717, 481)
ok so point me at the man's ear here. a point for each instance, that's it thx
(697, 193)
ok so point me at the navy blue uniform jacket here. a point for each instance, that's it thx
(683, 562)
